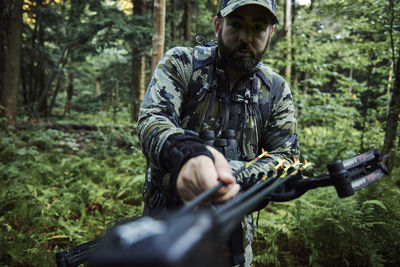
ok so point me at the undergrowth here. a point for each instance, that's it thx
(321, 229)
(60, 189)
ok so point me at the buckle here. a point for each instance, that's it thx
(237, 98)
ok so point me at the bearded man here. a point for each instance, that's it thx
(217, 87)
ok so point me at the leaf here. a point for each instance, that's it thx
(375, 202)
(21, 151)
(59, 237)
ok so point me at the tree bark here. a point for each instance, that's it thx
(392, 120)
(138, 66)
(187, 23)
(55, 93)
(158, 32)
(70, 91)
(98, 87)
(3, 38)
(42, 101)
(12, 61)
(68, 53)
(389, 145)
(288, 36)
(32, 70)
(173, 25)
(115, 96)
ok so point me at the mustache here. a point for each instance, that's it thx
(244, 47)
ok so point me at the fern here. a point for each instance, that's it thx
(320, 229)
(62, 189)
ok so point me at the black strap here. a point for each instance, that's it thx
(193, 99)
(210, 105)
(224, 98)
(237, 246)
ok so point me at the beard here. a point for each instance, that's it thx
(236, 62)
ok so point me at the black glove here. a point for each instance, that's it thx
(179, 148)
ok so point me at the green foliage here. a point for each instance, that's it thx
(64, 188)
(319, 229)
(341, 61)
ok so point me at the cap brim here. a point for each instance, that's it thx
(230, 8)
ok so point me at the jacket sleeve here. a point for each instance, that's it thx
(159, 112)
(279, 135)
(165, 144)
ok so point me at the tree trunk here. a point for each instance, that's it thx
(115, 96)
(42, 101)
(108, 98)
(70, 91)
(12, 61)
(98, 87)
(3, 38)
(187, 23)
(288, 36)
(390, 79)
(173, 25)
(32, 70)
(295, 82)
(158, 32)
(55, 93)
(306, 82)
(138, 66)
(392, 120)
(389, 145)
(68, 53)
(351, 80)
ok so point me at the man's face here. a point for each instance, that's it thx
(243, 37)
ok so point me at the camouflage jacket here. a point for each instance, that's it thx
(189, 91)
(260, 109)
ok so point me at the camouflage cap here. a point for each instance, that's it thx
(227, 6)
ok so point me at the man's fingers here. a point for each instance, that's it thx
(196, 175)
(232, 190)
(222, 167)
(200, 173)
(207, 176)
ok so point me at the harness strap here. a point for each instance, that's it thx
(237, 246)
(224, 98)
(241, 99)
(198, 96)
(257, 106)
(210, 105)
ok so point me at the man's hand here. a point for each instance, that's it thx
(201, 173)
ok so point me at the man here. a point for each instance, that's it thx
(217, 88)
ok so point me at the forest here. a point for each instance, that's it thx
(72, 77)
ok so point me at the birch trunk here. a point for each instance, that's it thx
(158, 32)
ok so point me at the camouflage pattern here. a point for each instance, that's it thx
(227, 6)
(269, 123)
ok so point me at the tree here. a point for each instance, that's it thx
(392, 120)
(10, 56)
(75, 12)
(172, 8)
(158, 32)
(138, 64)
(187, 20)
(288, 37)
(69, 90)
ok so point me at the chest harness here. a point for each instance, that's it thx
(238, 105)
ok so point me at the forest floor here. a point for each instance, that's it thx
(65, 183)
